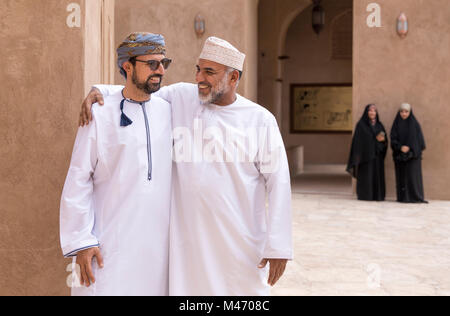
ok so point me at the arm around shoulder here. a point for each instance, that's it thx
(107, 90)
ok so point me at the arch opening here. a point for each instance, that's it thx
(290, 54)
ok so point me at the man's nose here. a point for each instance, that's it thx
(199, 77)
(160, 70)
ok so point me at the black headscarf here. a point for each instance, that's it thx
(407, 133)
(365, 146)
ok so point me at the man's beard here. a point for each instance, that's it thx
(216, 94)
(147, 87)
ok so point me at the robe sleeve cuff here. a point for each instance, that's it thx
(279, 255)
(72, 251)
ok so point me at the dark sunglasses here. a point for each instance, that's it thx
(154, 64)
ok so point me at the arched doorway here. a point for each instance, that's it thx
(291, 53)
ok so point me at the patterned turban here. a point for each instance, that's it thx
(139, 44)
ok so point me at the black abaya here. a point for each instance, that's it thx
(408, 167)
(366, 162)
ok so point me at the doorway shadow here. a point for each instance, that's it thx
(323, 180)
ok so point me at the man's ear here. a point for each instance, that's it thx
(235, 76)
(128, 67)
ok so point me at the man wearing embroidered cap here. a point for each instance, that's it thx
(116, 200)
(229, 157)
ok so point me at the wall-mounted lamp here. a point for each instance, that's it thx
(318, 17)
(402, 25)
(199, 25)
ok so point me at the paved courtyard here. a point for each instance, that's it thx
(347, 247)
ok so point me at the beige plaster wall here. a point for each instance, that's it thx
(41, 90)
(310, 62)
(235, 21)
(389, 70)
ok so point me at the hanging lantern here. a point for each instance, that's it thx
(318, 17)
(402, 25)
(199, 25)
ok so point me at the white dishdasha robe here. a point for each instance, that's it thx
(108, 199)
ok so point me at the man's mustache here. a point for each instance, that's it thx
(154, 76)
(204, 83)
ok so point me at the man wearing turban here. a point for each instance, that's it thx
(229, 157)
(116, 200)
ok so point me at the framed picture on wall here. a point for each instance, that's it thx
(321, 108)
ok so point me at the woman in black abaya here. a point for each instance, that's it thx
(368, 152)
(408, 144)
